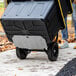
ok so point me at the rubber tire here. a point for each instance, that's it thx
(53, 51)
(21, 53)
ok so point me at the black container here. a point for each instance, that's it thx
(36, 18)
(46, 23)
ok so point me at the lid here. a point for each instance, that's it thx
(28, 10)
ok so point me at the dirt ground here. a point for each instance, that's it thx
(36, 64)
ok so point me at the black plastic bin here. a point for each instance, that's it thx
(32, 25)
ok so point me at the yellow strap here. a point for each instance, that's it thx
(71, 5)
(61, 12)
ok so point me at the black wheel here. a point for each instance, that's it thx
(21, 53)
(53, 51)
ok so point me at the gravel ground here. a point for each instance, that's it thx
(36, 64)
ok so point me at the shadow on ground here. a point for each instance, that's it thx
(69, 69)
